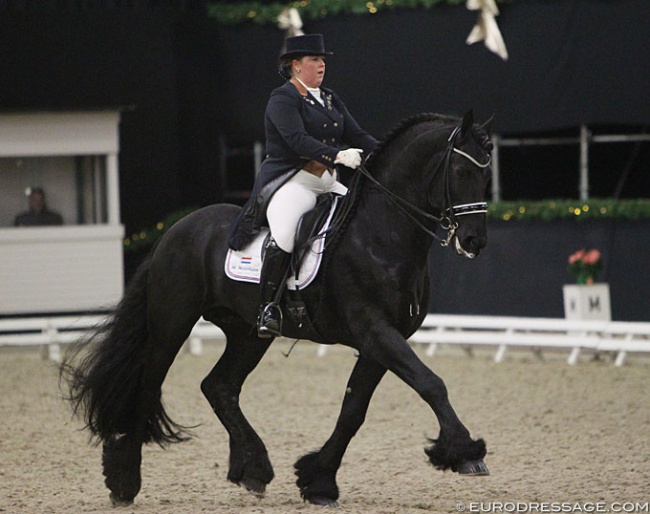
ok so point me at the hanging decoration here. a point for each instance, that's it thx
(486, 28)
(290, 21)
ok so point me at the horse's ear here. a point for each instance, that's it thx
(468, 122)
(487, 126)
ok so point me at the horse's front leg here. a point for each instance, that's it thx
(317, 471)
(454, 449)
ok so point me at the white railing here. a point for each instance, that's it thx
(538, 334)
(51, 332)
(47, 332)
(500, 332)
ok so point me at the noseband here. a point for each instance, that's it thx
(448, 220)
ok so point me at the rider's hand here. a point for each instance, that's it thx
(350, 158)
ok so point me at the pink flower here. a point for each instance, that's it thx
(585, 265)
(576, 257)
(591, 257)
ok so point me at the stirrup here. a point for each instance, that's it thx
(269, 323)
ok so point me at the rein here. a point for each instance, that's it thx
(448, 221)
(408, 208)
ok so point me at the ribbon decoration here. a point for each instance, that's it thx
(289, 20)
(486, 28)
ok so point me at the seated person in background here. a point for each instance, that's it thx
(38, 213)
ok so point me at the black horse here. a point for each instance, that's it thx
(371, 294)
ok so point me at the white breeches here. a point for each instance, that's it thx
(293, 199)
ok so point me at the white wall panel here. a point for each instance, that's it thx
(59, 133)
(60, 269)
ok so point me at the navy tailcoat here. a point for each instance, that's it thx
(298, 129)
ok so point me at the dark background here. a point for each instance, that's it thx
(522, 269)
(189, 87)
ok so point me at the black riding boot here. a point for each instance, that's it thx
(274, 268)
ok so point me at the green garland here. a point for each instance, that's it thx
(546, 210)
(260, 13)
(145, 238)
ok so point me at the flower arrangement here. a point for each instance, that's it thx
(585, 265)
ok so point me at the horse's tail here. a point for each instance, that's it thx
(104, 371)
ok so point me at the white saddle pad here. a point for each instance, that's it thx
(246, 265)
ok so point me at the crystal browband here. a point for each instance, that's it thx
(468, 208)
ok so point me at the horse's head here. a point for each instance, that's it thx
(435, 170)
(459, 186)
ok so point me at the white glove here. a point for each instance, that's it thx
(350, 157)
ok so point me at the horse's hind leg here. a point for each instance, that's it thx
(122, 455)
(317, 471)
(249, 462)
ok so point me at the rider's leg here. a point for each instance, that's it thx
(274, 267)
(286, 207)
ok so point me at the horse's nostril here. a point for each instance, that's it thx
(471, 244)
(474, 243)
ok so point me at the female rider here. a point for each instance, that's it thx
(307, 128)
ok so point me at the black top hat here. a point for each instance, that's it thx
(306, 44)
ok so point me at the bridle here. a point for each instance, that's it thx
(447, 220)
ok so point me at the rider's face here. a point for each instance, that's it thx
(310, 69)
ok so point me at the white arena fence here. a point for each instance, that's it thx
(498, 332)
(538, 334)
(48, 332)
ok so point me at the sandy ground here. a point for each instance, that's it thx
(556, 433)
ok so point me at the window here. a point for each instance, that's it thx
(74, 187)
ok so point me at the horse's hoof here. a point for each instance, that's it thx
(253, 486)
(324, 502)
(476, 468)
(117, 502)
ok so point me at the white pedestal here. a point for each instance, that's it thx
(587, 302)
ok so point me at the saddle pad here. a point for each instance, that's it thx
(245, 265)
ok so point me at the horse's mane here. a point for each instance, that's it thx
(482, 136)
(406, 124)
